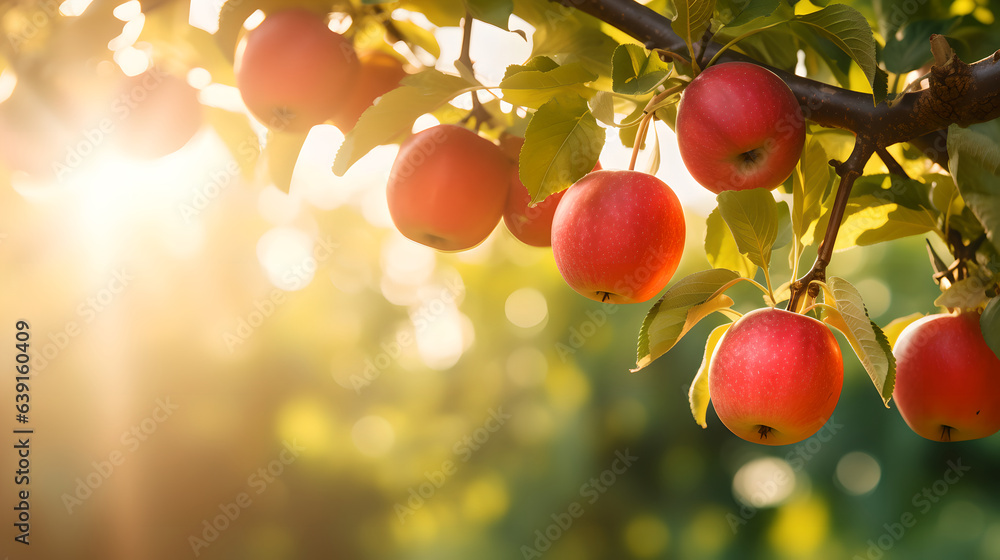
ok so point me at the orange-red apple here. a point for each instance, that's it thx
(739, 127)
(531, 225)
(293, 71)
(156, 114)
(775, 376)
(618, 236)
(947, 378)
(380, 73)
(447, 188)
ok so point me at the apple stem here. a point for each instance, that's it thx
(640, 135)
(946, 433)
(648, 113)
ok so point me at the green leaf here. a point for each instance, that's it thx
(989, 323)
(413, 34)
(810, 182)
(693, 17)
(753, 10)
(441, 14)
(822, 49)
(282, 151)
(784, 235)
(561, 144)
(903, 191)
(880, 87)
(869, 220)
(636, 71)
(532, 88)
(571, 41)
(538, 63)
(602, 106)
(974, 162)
(848, 29)
(721, 249)
(908, 49)
(752, 216)
(395, 113)
(698, 395)
(494, 12)
(670, 317)
(627, 134)
(867, 340)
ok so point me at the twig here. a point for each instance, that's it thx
(849, 171)
(891, 163)
(703, 47)
(478, 112)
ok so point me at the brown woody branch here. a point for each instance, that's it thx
(958, 93)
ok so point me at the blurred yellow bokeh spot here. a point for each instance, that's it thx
(800, 527)
(707, 534)
(979, 10)
(373, 435)
(568, 388)
(646, 536)
(309, 422)
(485, 499)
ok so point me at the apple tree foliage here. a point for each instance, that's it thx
(903, 136)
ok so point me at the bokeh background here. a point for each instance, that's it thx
(204, 344)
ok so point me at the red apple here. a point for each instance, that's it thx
(380, 73)
(775, 376)
(618, 236)
(531, 225)
(157, 114)
(293, 71)
(947, 378)
(739, 127)
(447, 188)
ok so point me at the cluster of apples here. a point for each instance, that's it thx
(776, 376)
(294, 72)
(616, 235)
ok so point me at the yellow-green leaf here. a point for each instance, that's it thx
(810, 183)
(561, 144)
(868, 341)
(282, 151)
(989, 323)
(395, 112)
(896, 326)
(967, 293)
(698, 395)
(869, 220)
(846, 28)
(974, 162)
(752, 217)
(533, 88)
(721, 250)
(636, 71)
(678, 310)
(693, 17)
